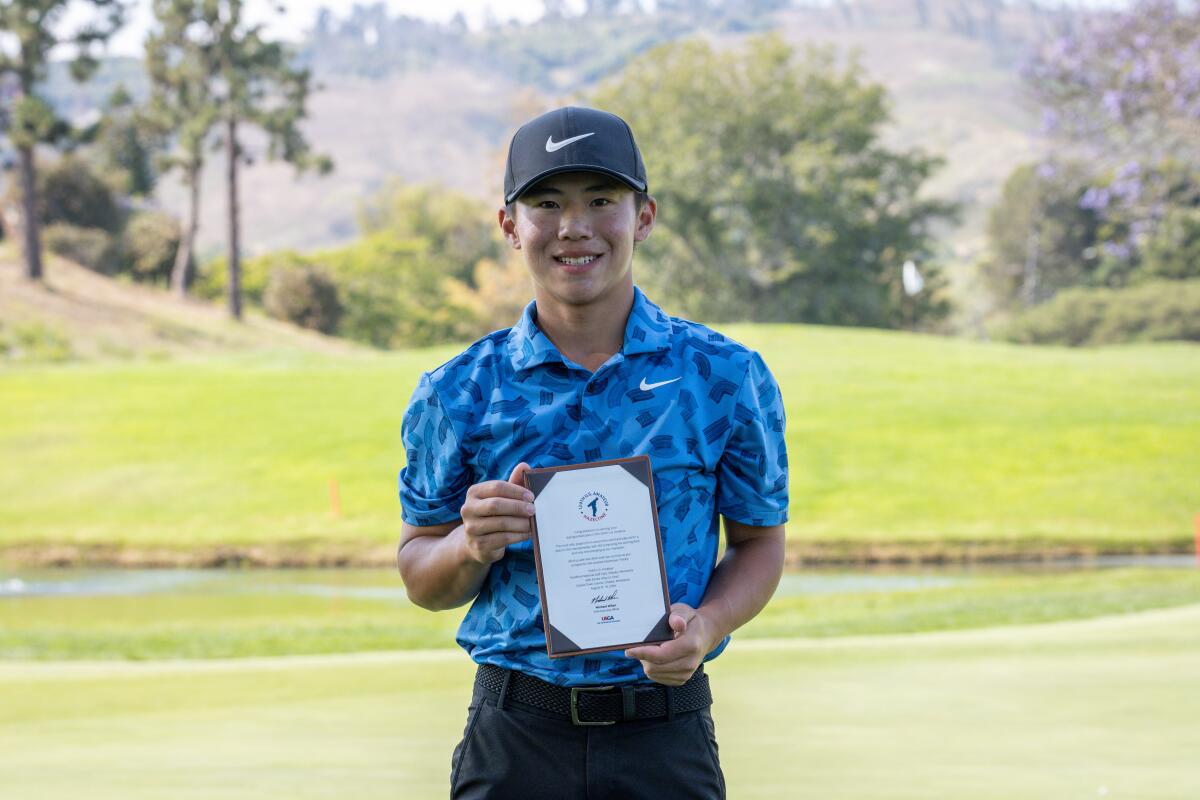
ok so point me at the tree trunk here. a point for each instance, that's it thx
(923, 13)
(1029, 277)
(235, 265)
(29, 218)
(184, 270)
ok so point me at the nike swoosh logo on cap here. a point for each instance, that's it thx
(552, 145)
(645, 387)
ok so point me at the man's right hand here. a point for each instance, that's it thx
(495, 515)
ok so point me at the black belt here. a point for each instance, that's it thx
(596, 705)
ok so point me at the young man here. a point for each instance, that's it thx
(592, 371)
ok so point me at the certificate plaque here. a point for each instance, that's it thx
(598, 550)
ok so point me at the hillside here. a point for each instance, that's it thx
(103, 318)
(448, 122)
(400, 97)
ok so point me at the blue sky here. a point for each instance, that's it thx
(301, 13)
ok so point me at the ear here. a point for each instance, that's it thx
(508, 226)
(645, 219)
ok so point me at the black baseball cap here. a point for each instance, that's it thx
(572, 139)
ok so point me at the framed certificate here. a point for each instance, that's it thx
(598, 551)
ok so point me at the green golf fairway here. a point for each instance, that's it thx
(893, 438)
(1103, 707)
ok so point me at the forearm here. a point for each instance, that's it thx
(743, 582)
(437, 573)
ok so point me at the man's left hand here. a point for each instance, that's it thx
(672, 663)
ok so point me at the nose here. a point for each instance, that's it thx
(573, 224)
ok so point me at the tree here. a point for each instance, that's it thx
(123, 146)
(35, 27)
(1040, 239)
(180, 108)
(70, 192)
(459, 230)
(1174, 251)
(777, 200)
(253, 82)
(1121, 88)
(305, 296)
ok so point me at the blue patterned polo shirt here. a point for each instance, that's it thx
(703, 407)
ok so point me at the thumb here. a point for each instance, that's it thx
(518, 474)
(680, 616)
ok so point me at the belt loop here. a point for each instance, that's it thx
(508, 673)
(628, 704)
(670, 702)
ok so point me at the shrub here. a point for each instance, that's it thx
(214, 275)
(34, 342)
(394, 296)
(150, 242)
(90, 247)
(458, 230)
(1155, 311)
(1174, 251)
(306, 296)
(69, 191)
(391, 293)
(497, 295)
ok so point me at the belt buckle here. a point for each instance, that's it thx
(575, 690)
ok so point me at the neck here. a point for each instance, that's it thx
(588, 334)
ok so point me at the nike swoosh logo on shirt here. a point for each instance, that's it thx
(645, 387)
(552, 145)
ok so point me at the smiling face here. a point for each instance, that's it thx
(577, 231)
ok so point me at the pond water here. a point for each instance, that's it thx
(380, 584)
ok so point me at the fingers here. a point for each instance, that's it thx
(490, 548)
(681, 614)
(518, 474)
(496, 514)
(496, 507)
(485, 525)
(665, 653)
(672, 678)
(671, 673)
(488, 489)
(494, 543)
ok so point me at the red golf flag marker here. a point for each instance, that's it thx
(335, 499)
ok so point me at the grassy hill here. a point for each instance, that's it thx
(902, 446)
(449, 123)
(75, 313)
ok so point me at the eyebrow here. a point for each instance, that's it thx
(599, 187)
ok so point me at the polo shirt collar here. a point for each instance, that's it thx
(648, 330)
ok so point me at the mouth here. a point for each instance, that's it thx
(577, 264)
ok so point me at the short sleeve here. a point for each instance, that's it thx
(752, 475)
(435, 479)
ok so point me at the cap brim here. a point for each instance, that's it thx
(632, 183)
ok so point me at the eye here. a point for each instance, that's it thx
(602, 201)
(547, 204)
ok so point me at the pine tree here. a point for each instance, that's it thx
(252, 82)
(36, 27)
(182, 108)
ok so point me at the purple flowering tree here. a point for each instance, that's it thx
(1120, 91)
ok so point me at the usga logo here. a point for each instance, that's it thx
(607, 618)
(593, 506)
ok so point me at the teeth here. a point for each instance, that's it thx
(575, 262)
